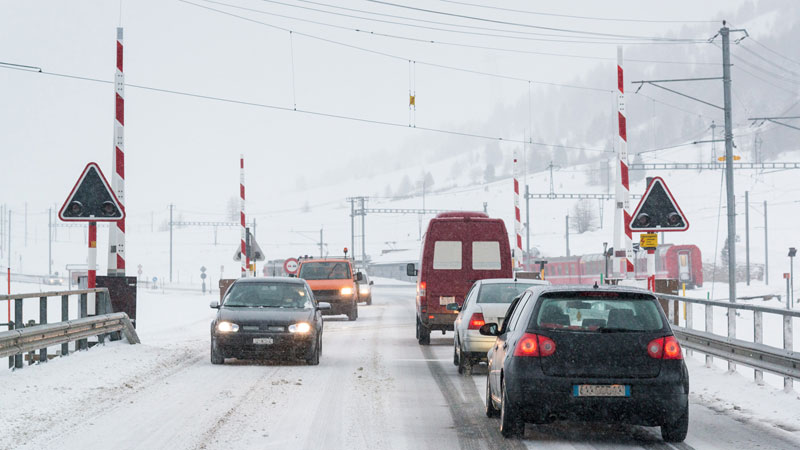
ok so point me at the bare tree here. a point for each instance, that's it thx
(583, 218)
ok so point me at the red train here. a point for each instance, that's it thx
(676, 262)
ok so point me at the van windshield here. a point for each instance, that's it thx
(609, 312)
(325, 271)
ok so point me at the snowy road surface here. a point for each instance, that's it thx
(375, 388)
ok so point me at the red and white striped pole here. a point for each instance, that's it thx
(518, 257)
(245, 258)
(116, 234)
(92, 261)
(622, 218)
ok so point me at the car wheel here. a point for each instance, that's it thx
(464, 364)
(511, 424)
(676, 431)
(216, 354)
(369, 299)
(491, 411)
(313, 360)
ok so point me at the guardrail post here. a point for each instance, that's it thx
(101, 309)
(688, 307)
(709, 329)
(671, 306)
(731, 334)
(758, 338)
(42, 321)
(787, 345)
(10, 358)
(17, 325)
(64, 318)
(82, 344)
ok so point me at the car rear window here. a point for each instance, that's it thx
(598, 312)
(325, 271)
(447, 255)
(501, 292)
(486, 255)
(268, 295)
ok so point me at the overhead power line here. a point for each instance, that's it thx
(569, 16)
(540, 27)
(774, 52)
(306, 111)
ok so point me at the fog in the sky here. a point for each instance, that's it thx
(185, 149)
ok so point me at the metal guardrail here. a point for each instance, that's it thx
(781, 361)
(103, 308)
(37, 337)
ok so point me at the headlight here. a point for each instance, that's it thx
(227, 327)
(363, 290)
(346, 291)
(300, 327)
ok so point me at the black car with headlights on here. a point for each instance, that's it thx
(267, 318)
(587, 354)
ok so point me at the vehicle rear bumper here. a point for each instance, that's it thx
(652, 401)
(439, 321)
(241, 346)
(477, 344)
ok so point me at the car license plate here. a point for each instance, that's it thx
(601, 390)
(262, 341)
(446, 300)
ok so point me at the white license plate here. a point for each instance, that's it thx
(601, 390)
(262, 341)
(446, 300)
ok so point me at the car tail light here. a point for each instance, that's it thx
(421, 289)
(476, 321)
(535, 345)
(665, 348)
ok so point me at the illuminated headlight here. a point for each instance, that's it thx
(363, 290)
(346, 291)
(227, 327)
(300, 327)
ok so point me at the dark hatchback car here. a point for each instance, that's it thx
(587, 354)
(267, 318)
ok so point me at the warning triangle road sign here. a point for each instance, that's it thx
(658, 210)
(91, 199)
(256, 254)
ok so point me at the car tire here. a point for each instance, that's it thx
(491, 411)
(511, 423)
(216, 354)
(313, 360)
(423, 333)
(676, 431)
(353, 314)
(464, 364)
(369, 299)
(456, 358)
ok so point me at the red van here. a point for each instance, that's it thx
(458, 249)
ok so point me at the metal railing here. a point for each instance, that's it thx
(65, 331)
(761, 357)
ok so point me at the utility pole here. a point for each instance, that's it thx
(49, 241)
(363, 234)
(321, 255)
(714, 142)
(747, 234)
(766, 247)
(171, 206)
(352, 225)
(566, 233)
(726, 85)
(26, 224)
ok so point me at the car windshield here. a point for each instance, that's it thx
(325, 271)
(598, 312)
(268, 295)
(501, 292)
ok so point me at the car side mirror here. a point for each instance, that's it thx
(371, 282)
(489, 329)
(214, 304)
(291, 275)
(359, 276)
(453, 307)
(323, 306)
(411, 270)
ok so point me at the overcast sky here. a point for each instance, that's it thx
(184, 150)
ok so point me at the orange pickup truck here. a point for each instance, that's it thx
(333, 281)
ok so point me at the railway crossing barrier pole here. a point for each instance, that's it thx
(518, 258)
(651, 271)
(245, 262)
(527, 223)
(116, 230)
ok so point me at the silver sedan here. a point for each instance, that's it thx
(487, 301)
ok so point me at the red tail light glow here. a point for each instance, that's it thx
(535, 345)
(421, 288)
(476, 321)
(665, 348)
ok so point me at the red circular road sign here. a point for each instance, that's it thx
(290, 266)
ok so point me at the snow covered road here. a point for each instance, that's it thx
(375, 388)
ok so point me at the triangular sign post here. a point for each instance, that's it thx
(256, 254)
(658, 211)
(91, 199)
